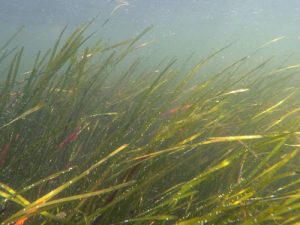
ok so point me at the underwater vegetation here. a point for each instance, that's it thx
(88, 139)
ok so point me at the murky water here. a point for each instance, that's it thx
(180, 27)
(163, 128)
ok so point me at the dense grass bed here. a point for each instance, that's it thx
(85, 140)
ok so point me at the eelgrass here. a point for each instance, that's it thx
(85, 142)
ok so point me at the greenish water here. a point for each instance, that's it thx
(180, 27)
(171, 112)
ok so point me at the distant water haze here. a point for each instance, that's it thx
(180, 27)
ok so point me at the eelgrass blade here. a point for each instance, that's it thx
(13, 195)
(41, 207)
(23, 115)
(44, 199)
(11, 39)
(51, 177)
(270, 109)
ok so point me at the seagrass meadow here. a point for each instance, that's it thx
(90, 137)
